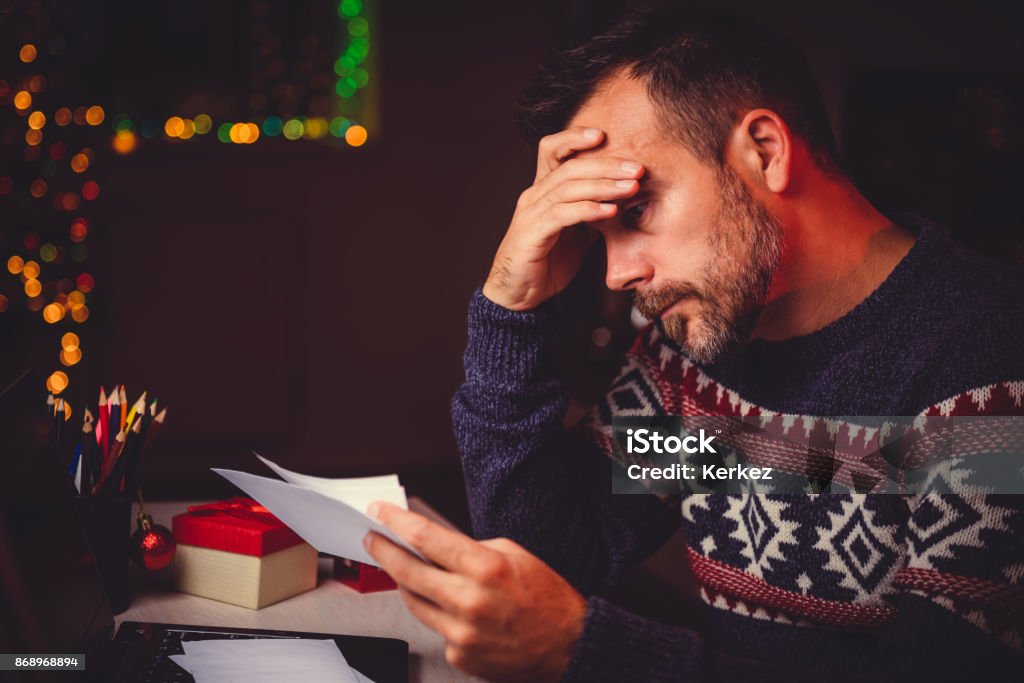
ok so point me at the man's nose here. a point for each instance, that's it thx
(626, 269)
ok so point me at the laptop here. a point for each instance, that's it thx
(52, 599)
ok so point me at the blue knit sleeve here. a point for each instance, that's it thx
(526, 478)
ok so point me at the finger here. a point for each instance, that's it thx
(561, 216)
(408, 571)
(505, 545)
(555, 148)
(616, 168)
(430, 614)
(446, 548)
(591, 189)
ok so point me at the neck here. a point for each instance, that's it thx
(838, 250)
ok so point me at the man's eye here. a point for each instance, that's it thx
(634, 214)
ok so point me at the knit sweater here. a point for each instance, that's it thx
(830, 586)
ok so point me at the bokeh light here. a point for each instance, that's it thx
(70, 357)
(80, 314)
(90, 190)
(36, 120)
(53, 313)
(48, 253)
(70, 201)
(30, 270)
(70, 341)
(293, 129)
(356, 136)
(38, 188)
(62, 116)
(33, 288)
(203, 124)
(349, 8)
(339, 124)
(23, 100)
(125, 142)
(57, 382)
(94, 115)
(15, 265)
(4, 303)
(174, 126)
(273, 126)
(85, 282)
(316, 128)
(28, 53)
(33, 137)
(188, 129)
(79, 230)
(80, 163)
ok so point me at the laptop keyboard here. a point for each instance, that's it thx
(164, 670)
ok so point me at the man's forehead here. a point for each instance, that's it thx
(621, 108)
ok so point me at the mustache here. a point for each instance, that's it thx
(651, 301)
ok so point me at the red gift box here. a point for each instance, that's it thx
(362, 577)
(236, 551)
(238, 525)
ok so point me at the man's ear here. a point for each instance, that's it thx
(763, 144)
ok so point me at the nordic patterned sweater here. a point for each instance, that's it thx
(796, 587)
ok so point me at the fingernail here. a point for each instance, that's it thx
(367, 539)
(630, 166)
(607, 208)
(373, 511)
(624, 184)
(591, 134)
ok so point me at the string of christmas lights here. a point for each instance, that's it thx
(60, 142)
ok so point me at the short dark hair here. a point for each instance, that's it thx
(702, 67)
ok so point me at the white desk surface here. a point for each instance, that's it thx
(329, 608)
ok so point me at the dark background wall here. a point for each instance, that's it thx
(309, 301)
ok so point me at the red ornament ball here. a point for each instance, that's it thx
(152, 545)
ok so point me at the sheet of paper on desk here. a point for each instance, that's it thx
(266, 660)
(327, 524)
(357, 492)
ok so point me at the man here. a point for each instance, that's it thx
(697, 149)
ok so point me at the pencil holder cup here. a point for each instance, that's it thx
(106, 522)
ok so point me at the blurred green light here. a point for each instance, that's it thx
(358, 27)
(273, 126)
(343, 65)
(349, 8)
(224, 131)
(348, 105)
(122, 123)
(346, 87)
(339, 124)
(48, 252)
(358, 47)
(293, 129)
(360, 77)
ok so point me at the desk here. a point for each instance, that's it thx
(329, 608)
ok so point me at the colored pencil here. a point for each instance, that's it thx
(123, 402)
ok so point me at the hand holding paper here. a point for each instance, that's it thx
(327, 513)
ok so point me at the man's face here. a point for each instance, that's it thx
(697, 248)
